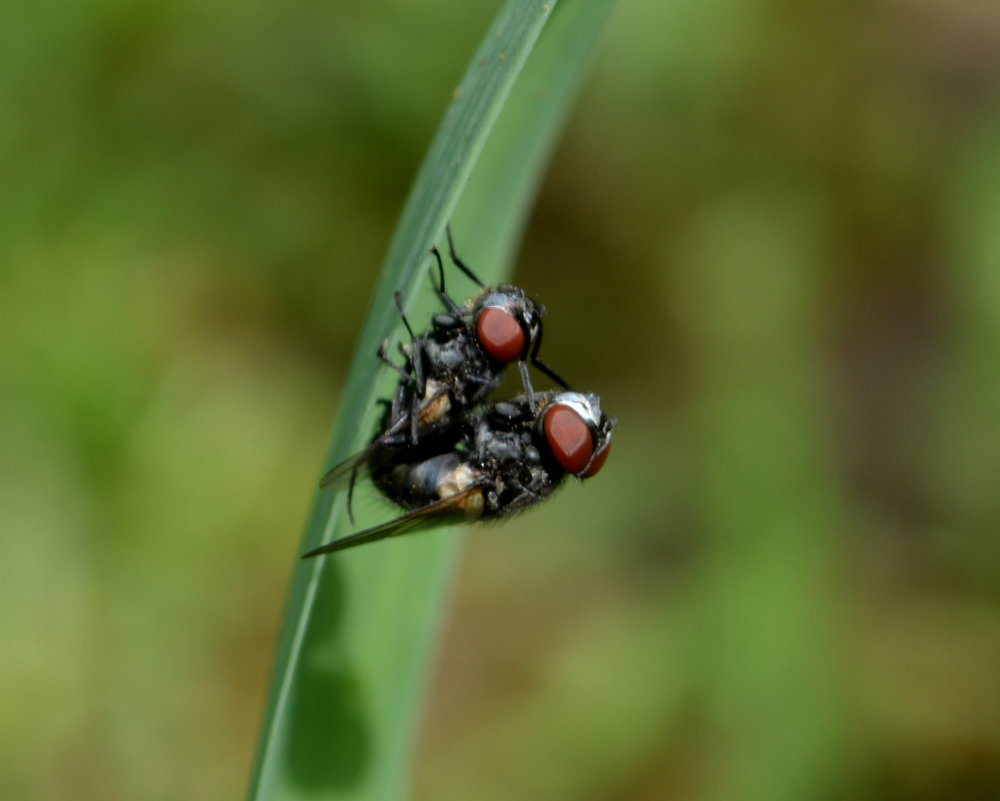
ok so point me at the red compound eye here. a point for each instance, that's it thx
(570, 439)
(500, 335)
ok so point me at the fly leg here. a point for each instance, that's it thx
(542, 366)
(529, 390)
(416, 355)
(450, 304)
(525, 496)
(383, 356)
(459, 263)
(406, 381)
(417, 362)
(350, 494)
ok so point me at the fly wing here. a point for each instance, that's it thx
(355, 467)
(461, 504)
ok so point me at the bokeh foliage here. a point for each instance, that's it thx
(769, 240)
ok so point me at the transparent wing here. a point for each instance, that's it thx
(355, 467)
(460, 505)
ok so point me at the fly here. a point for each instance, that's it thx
(492, 464)
(462, 358)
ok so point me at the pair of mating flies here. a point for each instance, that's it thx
(442, 451)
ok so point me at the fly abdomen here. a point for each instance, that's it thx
(413, 485)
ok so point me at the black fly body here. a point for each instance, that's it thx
(462, 358)
(493, 463)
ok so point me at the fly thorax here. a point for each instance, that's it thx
(448, 355)
(501, 447)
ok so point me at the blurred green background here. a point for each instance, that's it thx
(770, 239)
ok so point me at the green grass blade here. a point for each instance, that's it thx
(360, 625)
